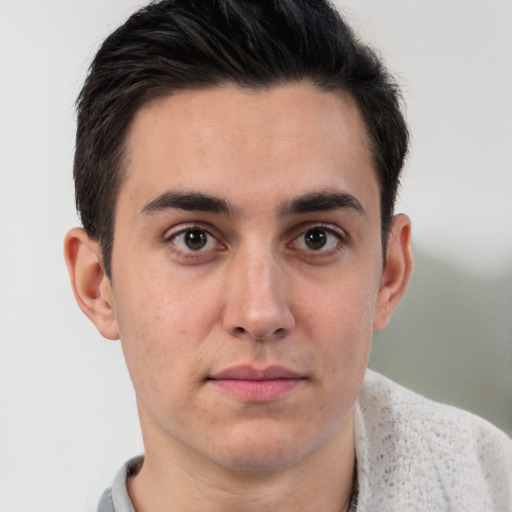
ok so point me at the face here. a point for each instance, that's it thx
(246, 271)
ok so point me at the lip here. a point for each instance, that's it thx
(250, 384)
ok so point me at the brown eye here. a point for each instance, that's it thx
(315, 238)
(195, 239)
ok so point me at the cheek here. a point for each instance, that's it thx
(342, 309)
(340, 322)
(338, 329)
(163, 307)
(162, 324)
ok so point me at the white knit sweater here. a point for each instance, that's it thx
(417, 455)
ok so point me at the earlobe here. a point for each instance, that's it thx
(397, 271)
(91, 287)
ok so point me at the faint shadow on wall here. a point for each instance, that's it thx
(451, 340)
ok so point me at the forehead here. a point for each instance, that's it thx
(277, 142)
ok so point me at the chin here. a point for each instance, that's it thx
(263, 450)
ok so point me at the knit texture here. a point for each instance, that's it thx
(417, 455)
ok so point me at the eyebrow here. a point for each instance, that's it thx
(198, 201)
(191, 201)
(322, 201)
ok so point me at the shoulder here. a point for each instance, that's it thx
(393, 404)
(412, 448)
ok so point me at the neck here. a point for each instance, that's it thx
(178, 481)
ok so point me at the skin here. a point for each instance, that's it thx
(262, 291)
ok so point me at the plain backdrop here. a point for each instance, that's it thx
(67, 409)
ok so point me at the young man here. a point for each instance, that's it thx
(236, 169)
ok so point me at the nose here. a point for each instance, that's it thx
(256, 306)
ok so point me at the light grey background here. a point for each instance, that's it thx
(67, 411)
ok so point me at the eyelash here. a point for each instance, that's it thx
(204, 254)
(171, 238)
(339, 244)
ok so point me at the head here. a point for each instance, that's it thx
(176, 45)
(236, 168)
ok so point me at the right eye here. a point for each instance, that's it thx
(193, 239)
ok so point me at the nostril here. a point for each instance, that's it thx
(280, 333)
(242, 332)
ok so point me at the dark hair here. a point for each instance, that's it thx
(183, 44)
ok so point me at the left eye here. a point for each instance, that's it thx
(317, 239)
(194, 239)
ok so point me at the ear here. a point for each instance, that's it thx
(397, 270)
(91, 286)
